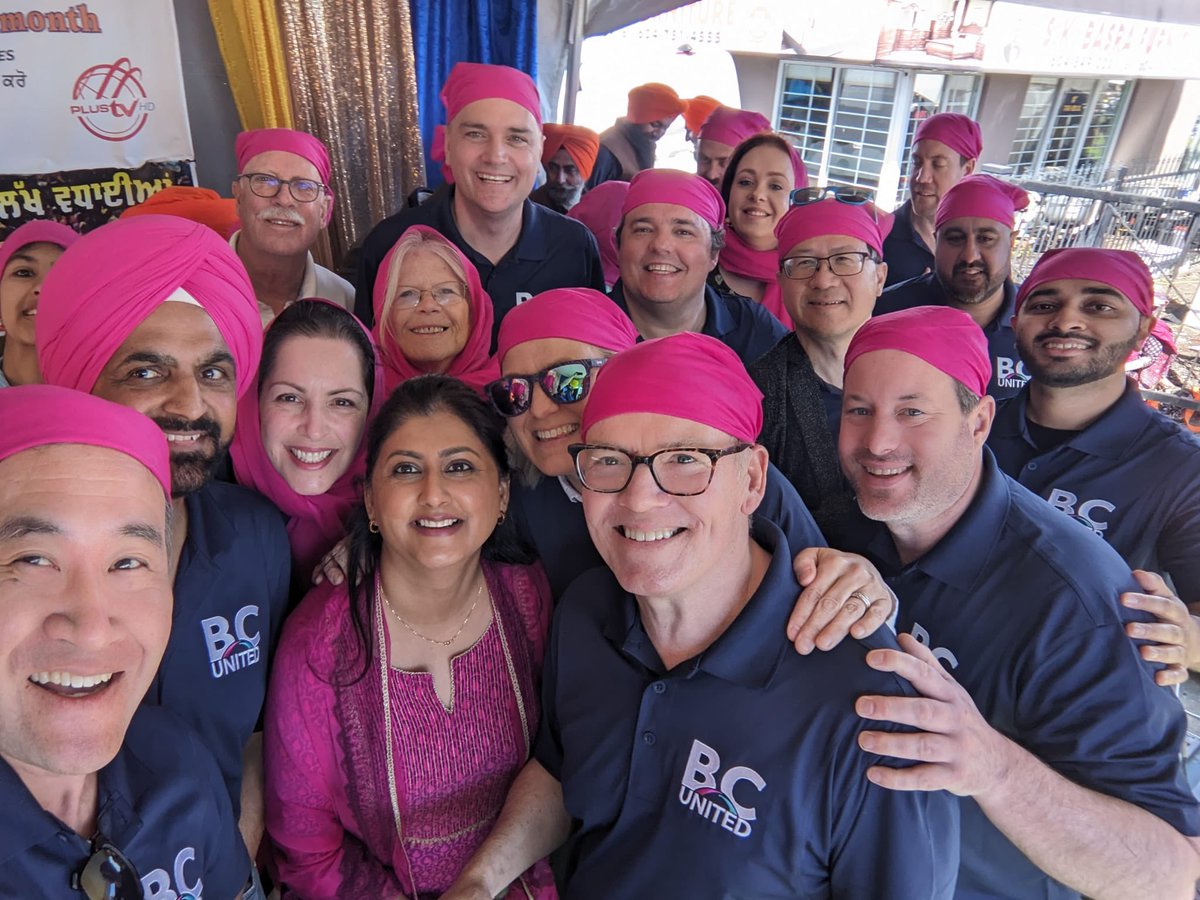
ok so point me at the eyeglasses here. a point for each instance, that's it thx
(801, 268)
(854, 196)
(108, 874)
(679, 471)
(303, 190)
(567, 382)
(409, 295)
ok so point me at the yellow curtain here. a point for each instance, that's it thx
(248, 35)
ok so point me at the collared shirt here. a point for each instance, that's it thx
(905, 252)
(1020, 605)
(552, 251)
(744, 326)
(161, 802)
(231, 593)
(1132, 477)
(735, 774)
(1008, 372)
(318, 281)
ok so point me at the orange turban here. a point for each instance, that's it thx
(582, 145)
(197, 204)
(698, 110)
(651, 102)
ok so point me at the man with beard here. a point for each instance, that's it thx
(972, 270)
(628, 146)
(157, 313)
(568, 156)
(284, 200)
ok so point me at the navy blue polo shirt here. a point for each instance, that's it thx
(736, 773)
(161, 802)
(1132, 477)
(1008, 372)
(552, 251)
(1021, 607)
(551, 521)
(231, 594)
(741, 324)
(905, 253)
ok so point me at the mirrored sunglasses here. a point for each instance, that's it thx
(567, 382)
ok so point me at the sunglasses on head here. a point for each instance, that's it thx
(853, 196)
(108, 874)
(567, 382)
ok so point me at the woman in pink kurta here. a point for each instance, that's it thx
(355, 676)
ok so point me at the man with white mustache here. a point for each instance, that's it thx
(284, 201)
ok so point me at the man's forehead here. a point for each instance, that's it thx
(646, 432)
(829, 243)
(908, 375)
(281, 164)
(974, 225)
(543, 353)
(715, 149)
(59, 469)
(562, 158)
(495, 112)
(931, 149)
(1077, 286)
(658, 213)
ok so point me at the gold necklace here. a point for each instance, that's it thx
(430, 640)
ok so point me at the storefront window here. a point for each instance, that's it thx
(1067, 126)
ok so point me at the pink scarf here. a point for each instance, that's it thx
(741, 259)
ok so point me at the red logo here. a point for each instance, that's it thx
(110, 101)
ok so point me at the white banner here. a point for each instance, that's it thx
(90, 85)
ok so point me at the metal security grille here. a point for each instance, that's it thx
(862, 118)
(1067, 126)
(806, 101)
(1032, 123)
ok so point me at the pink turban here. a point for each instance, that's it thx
(40, 231)
(829, 216)
(315, 523)
(574, 314)
(948, 339)
(959, 133)
(687, 375)
(730, 126)
(1123, 270)
(264, 140)
(37, 415)
(600, 210)
(473, 364)
(981, 197)
(104, 286)
(678, 188)
(652, 102)
(469, 82)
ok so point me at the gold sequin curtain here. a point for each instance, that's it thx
(354, 85)
(248, 35)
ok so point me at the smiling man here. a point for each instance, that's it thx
(102, 799)
(493, 146)
(284, 200)
(156, 313)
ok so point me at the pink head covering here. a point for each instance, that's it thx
(315, 523)
(1120, 269)
(730, 126)
(37, 415)
(263, 140)
(600, 210)
(687, 375)
(469, 82)
(106, 285)
(41, 231)
(982, 197)
(948, 339)
(574, 314)
(679, 188)
(829, 216)
(959, 133)
(473, 364)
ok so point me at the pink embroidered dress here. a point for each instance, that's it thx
(329, 786)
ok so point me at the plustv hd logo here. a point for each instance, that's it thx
(231, 649)
(110, 101)
(703, 796)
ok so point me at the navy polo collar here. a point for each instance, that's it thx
(531, 242)
(1003, 318)
(718, 321)
(211, 533)
(1109, 437)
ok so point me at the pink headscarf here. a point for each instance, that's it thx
(829, 216)
(263, 140)
(106, 285)
(469, 82)
(37, 415)
(948, 339)
(679, 188)
(959, 133)
(982, 197)
(600, 211)
(574, 314)
(473, 364)
(40, 231)
(315, 523)
(730, 126)
(1120, 269)
(687, 375)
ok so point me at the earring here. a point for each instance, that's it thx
(500, 519)
(372, 527)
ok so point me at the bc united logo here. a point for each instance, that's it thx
(232, 649)
(159, 884)
(704, 796)
(1086, 513)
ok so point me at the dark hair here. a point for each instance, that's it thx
(768, 139)
(425, 395)
(316, 318)
(967, 398)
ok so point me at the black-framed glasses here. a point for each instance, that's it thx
(108, 874)
(679, 471)
(303, 190)
(854, 196)
(802, 268)
(566, 382)
(409, 295)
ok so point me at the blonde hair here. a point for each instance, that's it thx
(411, 242)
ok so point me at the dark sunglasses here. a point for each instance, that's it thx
(567, 382)
(854, 196)
(108, 874)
